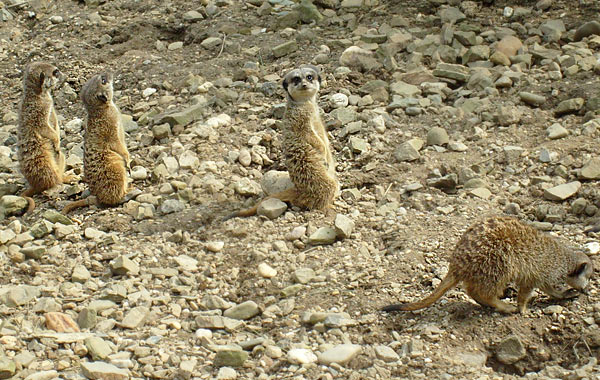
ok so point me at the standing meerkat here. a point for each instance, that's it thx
(40, 159)
(306, 146)
(105, 155)
(503, 250)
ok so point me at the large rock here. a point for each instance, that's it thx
(19, 295)
(452, 15)
(271, 208)
(301, 356)
(409, 150)
(591, 169)
(12, 205)
(569, 106)
(340, 354)
(509, 45)
(230, 358)
(184, 117)
(510, 350)
(276, 181)
(98, 348)
(135, 317)
(324, 235)
(243, 311)
(587, 29)
(562, 192)
(437, 136)
(7, 367)
(103, 371)
(451, 71)
(360, 58)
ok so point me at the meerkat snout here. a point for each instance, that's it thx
(51, 81)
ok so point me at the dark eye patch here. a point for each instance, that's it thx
(296, 80)
(56, 72)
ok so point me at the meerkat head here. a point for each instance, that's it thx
(581, 273)
(303, 83)
(41, 77)
(98, 90)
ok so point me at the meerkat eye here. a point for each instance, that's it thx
(56, 72)
(103, 80)
(296, 80)
(309, 77)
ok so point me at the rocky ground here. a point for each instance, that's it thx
(440, 112)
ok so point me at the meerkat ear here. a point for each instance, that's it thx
(285, 84)
(316, 70)
(580, 269)
(42, 77)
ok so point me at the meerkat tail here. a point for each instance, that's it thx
(288, 195)
(30, 202)
(76, 204)
(447, 283)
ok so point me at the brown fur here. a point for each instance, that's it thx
(502, 250)
(306, 146)
(105, 154)
(40, 158)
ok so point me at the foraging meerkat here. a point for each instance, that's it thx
(501, 250)
(105, 155)
(40, 159)
(306, 146)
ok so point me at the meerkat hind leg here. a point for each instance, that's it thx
(491, 301)
(523, 297)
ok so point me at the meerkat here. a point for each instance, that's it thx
(40, 159)
(308, 156)
(503, 250)
(105, 155)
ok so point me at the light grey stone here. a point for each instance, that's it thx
(569, 106)
(230, 358)
(304, 275)
(103, 371)
(98, 348)
(324, 235)
(340, 354)
(12, 205)
(34, 252)
(409, 150)
(437, 136)
(301, 356)
(510, 350)
(285, 48)
(385, 353)
(405, 89)
(343, 226)
(20, 295)
(122, 265)
(135, 317)
(532, 99)
(243, 311)
(591, 169)
(170, 206)
(562, 192)
(556, 131)
(358, 145)
(451, 71)
(247, 187)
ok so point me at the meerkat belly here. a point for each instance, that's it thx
(106, 175)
